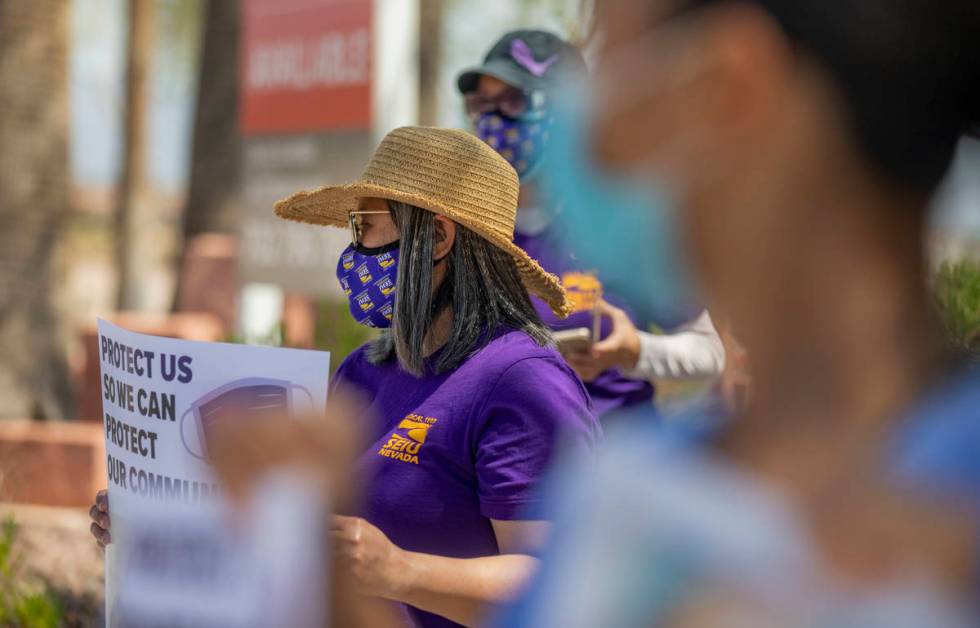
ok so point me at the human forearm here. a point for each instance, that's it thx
(351, 608)
(457, 588)
(693, 352)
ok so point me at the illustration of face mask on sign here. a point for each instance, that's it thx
(254, 395)
(367, 277)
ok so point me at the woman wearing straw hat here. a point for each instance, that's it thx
(469, 394)
(467, 398)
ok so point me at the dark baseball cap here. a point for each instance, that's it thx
(527, 59)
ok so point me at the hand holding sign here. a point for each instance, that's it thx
(99, 512)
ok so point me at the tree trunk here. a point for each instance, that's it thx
(206, 280)
(33, 203)
(212, 201)
(431, 14)
(131, 255)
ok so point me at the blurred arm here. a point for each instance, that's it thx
(693, 351)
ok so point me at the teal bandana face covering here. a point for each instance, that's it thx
(368, 278)
(623, 227)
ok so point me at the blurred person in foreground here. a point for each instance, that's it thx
(511, 100)
(801, 142)
(466, 397)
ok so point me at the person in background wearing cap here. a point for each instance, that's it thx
(510, 102)
(467, 398)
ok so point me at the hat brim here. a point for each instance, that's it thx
(500, 69)
(331, 206)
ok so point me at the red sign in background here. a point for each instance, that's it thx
(306, 66)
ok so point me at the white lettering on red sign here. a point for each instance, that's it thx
(331, 60)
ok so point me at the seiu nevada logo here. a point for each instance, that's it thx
(406, 441)
(347, 260)
(386, 285)
(364, 300)
(345, 285)
(386, 260)
(387, 311)
(363, 273)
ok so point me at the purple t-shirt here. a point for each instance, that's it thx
(450, 452)
(611, 390)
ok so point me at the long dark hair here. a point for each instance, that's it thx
(482, 286)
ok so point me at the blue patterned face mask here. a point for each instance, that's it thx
(520, 142)
(368, 278)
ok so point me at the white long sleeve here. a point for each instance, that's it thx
(692, 351)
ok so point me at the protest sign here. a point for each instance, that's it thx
(160, 396)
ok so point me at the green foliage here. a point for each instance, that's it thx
(957, 295)
(272, 339)
(338, 332)
(21, 605)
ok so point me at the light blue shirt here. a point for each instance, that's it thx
(657, 518)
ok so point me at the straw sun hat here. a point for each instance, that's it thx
(445, 171)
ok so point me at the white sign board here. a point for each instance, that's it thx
(160, 396)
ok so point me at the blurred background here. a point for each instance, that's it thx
(142, 145)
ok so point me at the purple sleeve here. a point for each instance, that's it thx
(536, 406)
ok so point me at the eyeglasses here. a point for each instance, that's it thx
(511, 102)
(354, 219)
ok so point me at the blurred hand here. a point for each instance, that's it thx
(322, 447)
(99, 512)
(366, 554)
(620, 349)
(736, 381)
